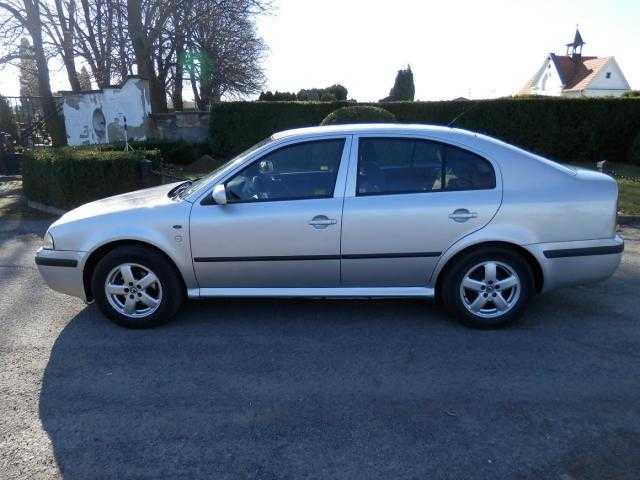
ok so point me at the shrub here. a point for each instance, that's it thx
(68, 177)
(178, 152)
(584, 130)
(330, 94)
(359, 114)
(269, 96)
(634, 156)
(631, 94)
(328, 97)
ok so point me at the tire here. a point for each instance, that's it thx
(484, 302)
(135, 300)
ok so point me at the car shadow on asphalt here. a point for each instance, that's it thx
(266, 389)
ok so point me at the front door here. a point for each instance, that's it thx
(410, 200)
(281, 225)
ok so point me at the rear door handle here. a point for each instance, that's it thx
(320, 222)
(461, 215)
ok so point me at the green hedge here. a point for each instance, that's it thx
(177, 153)
(235, 126)
(564, 129)
(634, 153)
(68, 177)
(359, 114)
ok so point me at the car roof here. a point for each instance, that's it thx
(382, 128)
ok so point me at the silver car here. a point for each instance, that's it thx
(346, 211)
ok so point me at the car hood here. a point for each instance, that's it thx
(140, 199)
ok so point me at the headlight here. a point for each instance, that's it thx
(47, 242)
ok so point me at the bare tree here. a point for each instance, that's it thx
(147, 20)
(102, 40)
(60, 26)
(18, 17)
(225, 51)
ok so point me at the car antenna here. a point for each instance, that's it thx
(463, 113)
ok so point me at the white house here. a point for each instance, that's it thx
(573, 75)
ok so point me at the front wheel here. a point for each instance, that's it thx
(136, 287)
(488, 288)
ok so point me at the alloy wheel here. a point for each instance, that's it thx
(490, 289)
(133, 290)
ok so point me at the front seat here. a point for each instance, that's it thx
(370, 175)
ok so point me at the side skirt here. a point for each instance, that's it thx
(351, 292)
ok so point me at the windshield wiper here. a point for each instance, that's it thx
(178, 189)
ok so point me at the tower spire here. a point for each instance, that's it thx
(576, 46)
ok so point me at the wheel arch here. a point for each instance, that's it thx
(536, 268)
(96, 255)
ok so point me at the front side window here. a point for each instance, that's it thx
(400, 165)
(303, 170)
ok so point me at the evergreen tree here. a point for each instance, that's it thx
(28, 71)
(7, 119)
(84, 78)
(403, 88)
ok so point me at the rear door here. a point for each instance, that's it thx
(407, 200)
(281, 225)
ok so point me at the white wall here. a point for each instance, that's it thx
(81, 110)
(548, 82)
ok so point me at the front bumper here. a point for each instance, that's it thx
(566, 264)
(62, 271)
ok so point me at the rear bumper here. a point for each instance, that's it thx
(566, 264)
(62, 271)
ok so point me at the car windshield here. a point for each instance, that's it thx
(204, 181)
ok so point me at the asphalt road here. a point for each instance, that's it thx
(282, 389)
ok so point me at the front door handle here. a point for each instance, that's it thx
(320, 222)
(461, 215)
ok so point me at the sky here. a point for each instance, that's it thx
(469, 48)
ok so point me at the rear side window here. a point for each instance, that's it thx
(467, 171)
(400, 165)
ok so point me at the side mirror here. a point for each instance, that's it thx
(219, 194)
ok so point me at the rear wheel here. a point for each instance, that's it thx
(136, 287)
(488, 288)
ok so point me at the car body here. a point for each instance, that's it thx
(407, 203)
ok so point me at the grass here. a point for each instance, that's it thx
(629, 199)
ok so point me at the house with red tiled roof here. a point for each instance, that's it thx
(575, 75)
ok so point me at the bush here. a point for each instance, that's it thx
(583, 130)
(359, 114)
(177, 153)
(328, 97)
(269, 96)
(68, 177)
(634, 156)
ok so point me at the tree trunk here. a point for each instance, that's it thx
(144, 58)
(176, 96)
(72, 74)
(52, 118)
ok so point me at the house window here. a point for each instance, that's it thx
(608, 74)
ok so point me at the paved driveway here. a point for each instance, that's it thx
(263, 389)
